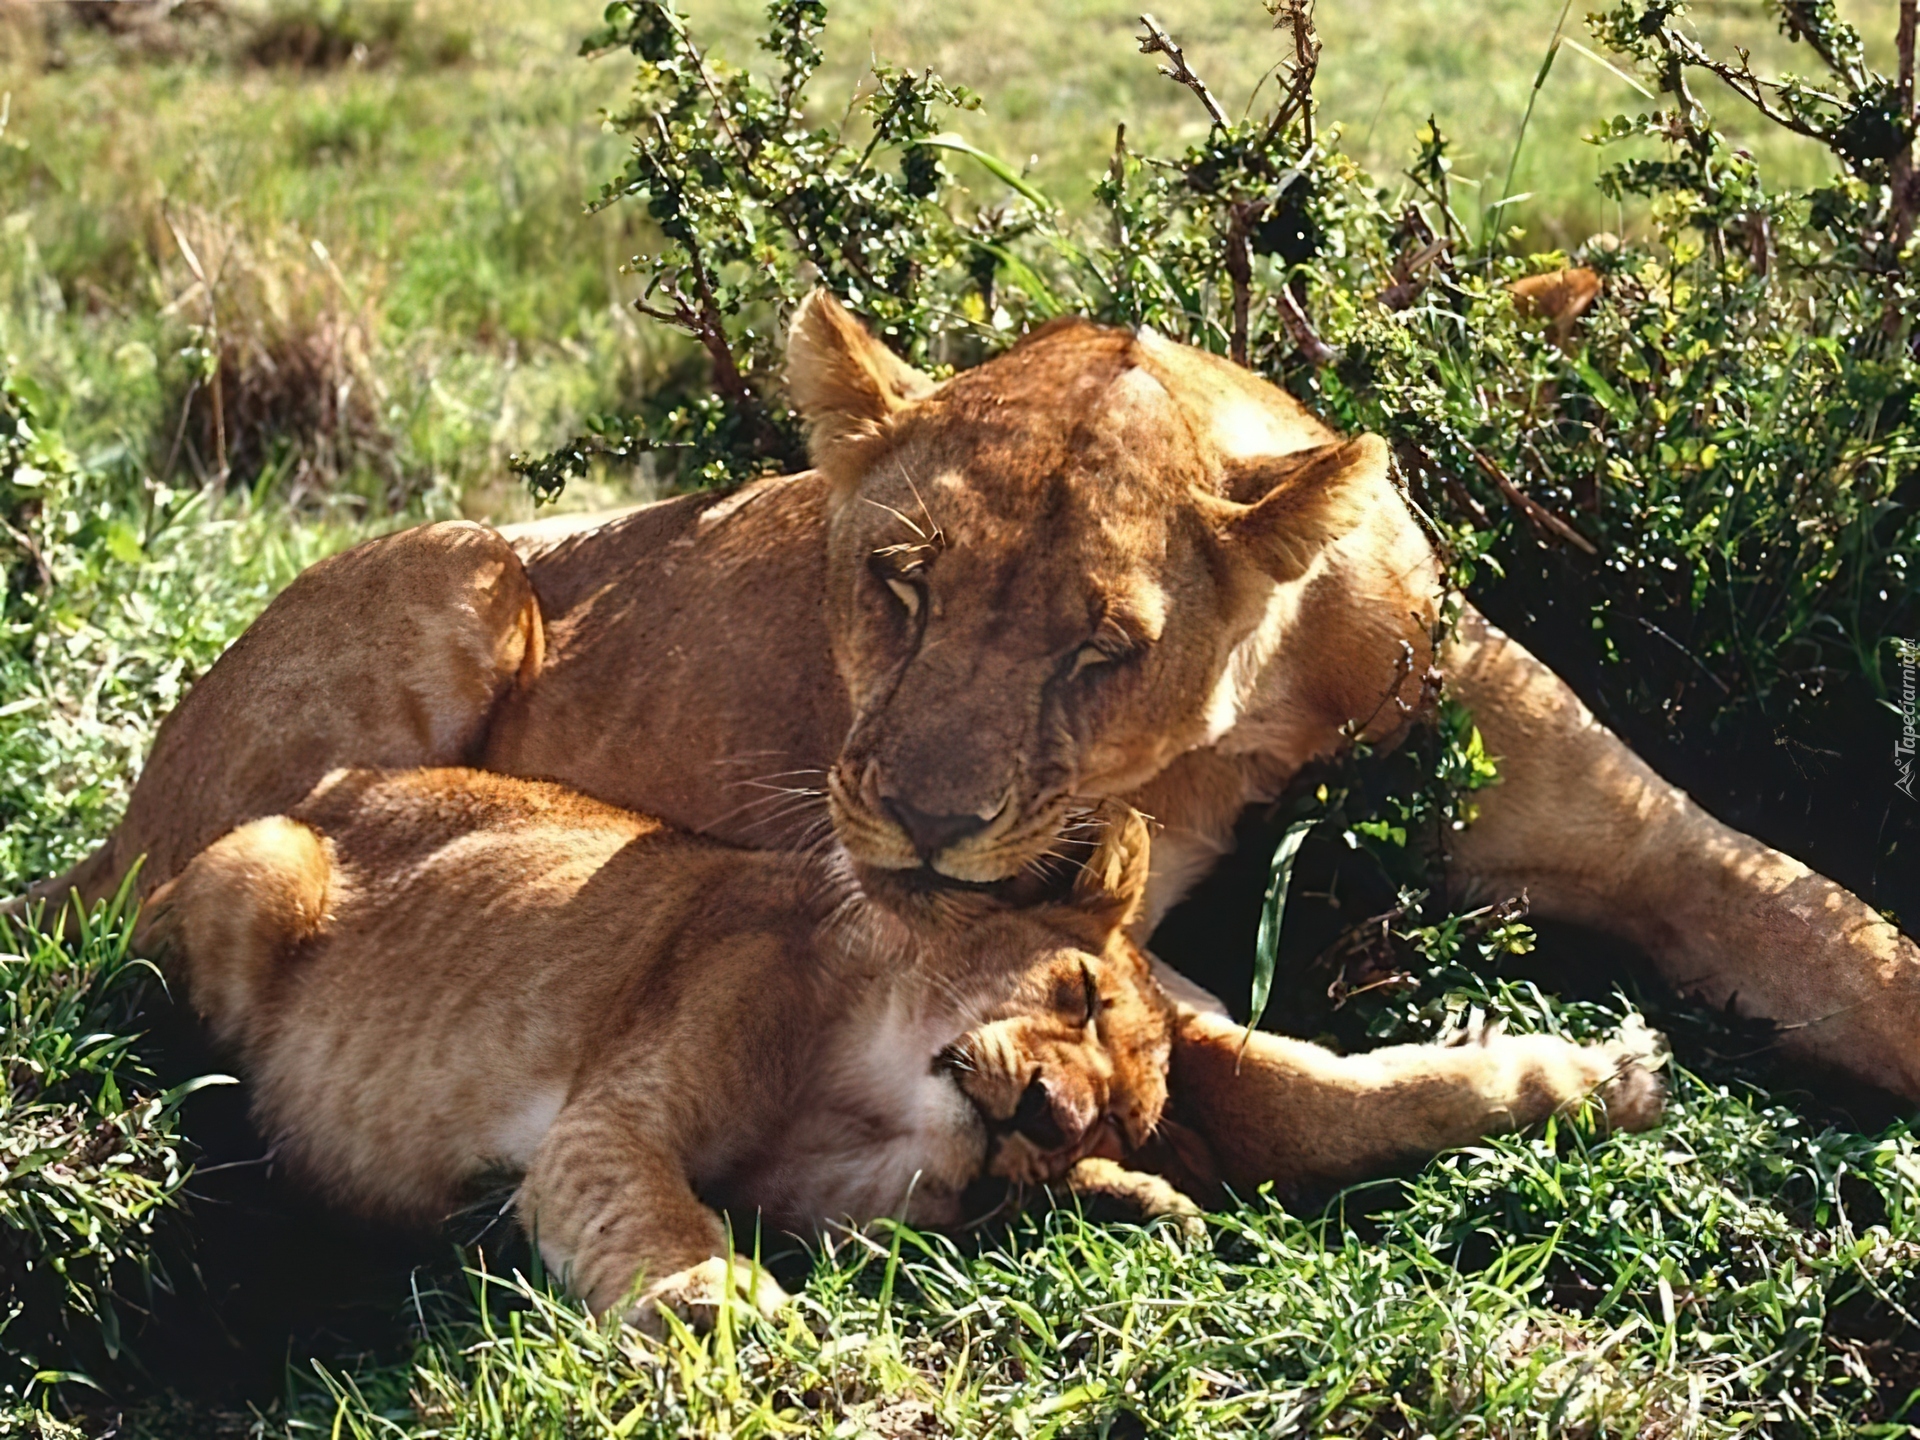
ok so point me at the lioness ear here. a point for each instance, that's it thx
(1309, 499)
(844, 383)
(1112, 885)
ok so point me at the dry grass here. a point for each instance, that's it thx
(286, 391)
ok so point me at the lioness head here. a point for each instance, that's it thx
(1049, 575)
(1073, 1062)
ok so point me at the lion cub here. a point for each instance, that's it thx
(432, 975)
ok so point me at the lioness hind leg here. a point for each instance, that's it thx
(1590, 834)
(1297, 1115)
(393, 654)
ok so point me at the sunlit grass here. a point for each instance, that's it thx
(1743, 1270)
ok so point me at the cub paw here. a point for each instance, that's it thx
(1109, 1191)
(1634, 1092)
(696, 1294)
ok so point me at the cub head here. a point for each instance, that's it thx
(1073, 1061)
(1050, 575)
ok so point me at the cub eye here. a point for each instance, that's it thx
(1092, 991)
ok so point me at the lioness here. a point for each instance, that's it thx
(1099, 564)
(431, 975)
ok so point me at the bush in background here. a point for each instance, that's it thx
(1699, 500)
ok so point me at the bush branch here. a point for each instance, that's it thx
(1158, 42)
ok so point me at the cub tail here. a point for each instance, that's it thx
(241, 908)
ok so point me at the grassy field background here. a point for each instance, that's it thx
(401, 234)
(466, 295)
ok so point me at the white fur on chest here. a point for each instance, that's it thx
(878, 1130)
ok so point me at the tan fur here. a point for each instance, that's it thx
(1559, 297)
(434, 975)
(1274, 1109)
(746, 666)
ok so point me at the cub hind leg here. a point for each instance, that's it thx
(393, 654)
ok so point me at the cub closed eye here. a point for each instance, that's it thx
(1092, 992)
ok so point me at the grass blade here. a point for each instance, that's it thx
(1273, 909)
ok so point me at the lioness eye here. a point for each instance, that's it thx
(1110, 646)
(1088, 655)
(905, 593)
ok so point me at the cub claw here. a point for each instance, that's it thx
(696, 1294)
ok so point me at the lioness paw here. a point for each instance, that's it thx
(696, 1294)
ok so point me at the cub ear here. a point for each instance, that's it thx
(1308, 499)
(1112, 886)
(844, 383)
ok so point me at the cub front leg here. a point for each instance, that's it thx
(1590, 834)
(393, 654)
(1309, 1121)
(608, 1202)
(1108, 1190)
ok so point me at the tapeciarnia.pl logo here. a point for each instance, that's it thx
(1907, 652)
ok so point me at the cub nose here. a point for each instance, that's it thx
(1034, 1117)
(931, 834)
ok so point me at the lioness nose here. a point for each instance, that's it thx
(931, 834)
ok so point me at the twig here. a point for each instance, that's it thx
(1406, 285)
(1240, 277)
(1659, 634)
(1297, 16)
(1538, 514)
(700, 316)
(1300, 329)
(1904, 178)
(25, 542)
(1743, 82)
(1158, 42)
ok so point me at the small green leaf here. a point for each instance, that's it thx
(1621, 407)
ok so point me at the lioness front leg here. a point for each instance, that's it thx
(1308, 1120)
(1590, 834)
(392, 654)
(611, 1209)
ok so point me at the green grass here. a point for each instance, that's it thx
(1746, 1269)
(1689, 1281)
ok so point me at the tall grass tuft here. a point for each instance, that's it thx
(284, 390)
